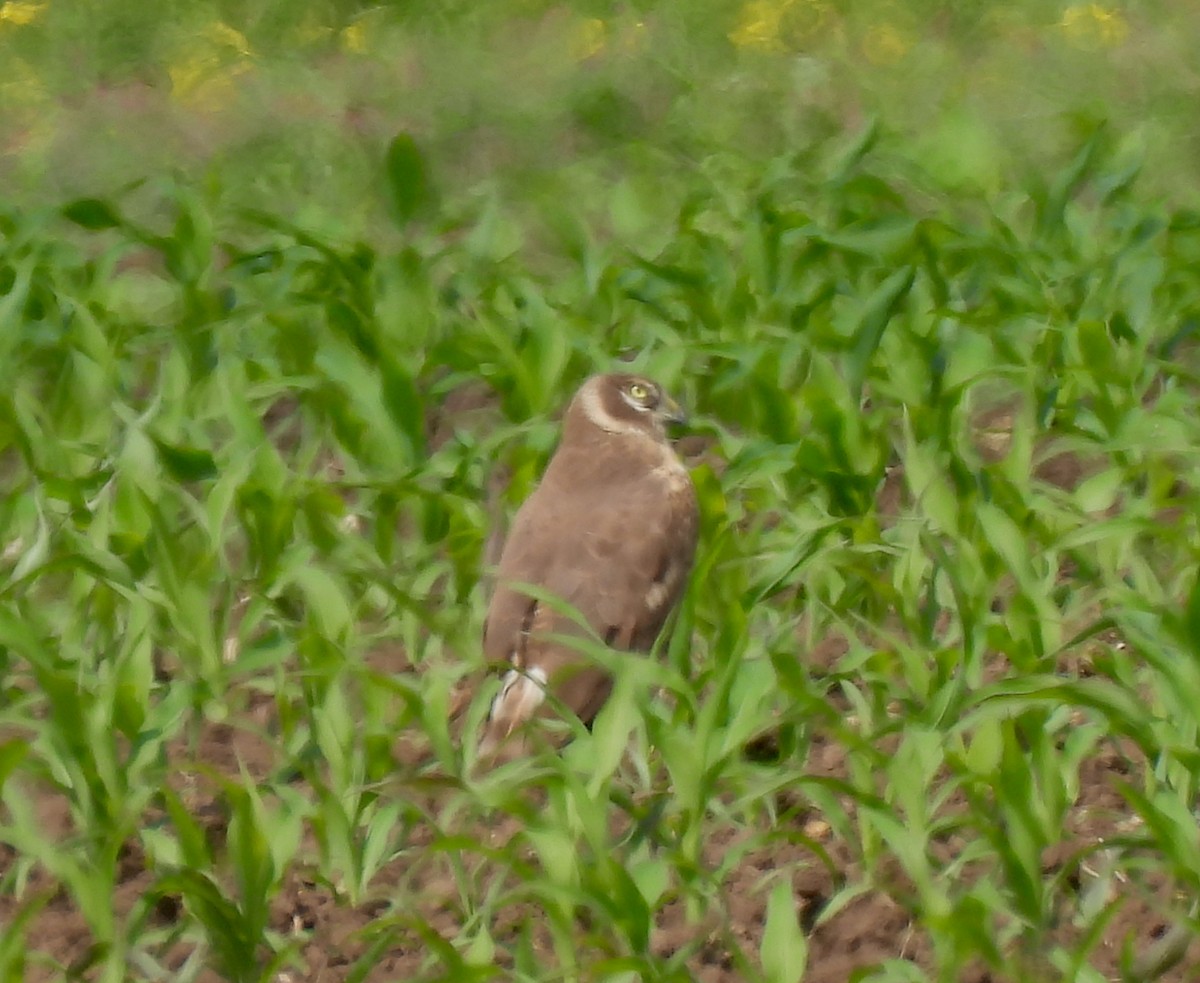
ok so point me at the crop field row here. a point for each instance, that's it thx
(929, 710)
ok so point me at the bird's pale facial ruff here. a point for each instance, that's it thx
(610, 531)
(627, 404)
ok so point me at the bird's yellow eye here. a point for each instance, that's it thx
(638, 391)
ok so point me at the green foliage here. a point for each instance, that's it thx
(249, 467)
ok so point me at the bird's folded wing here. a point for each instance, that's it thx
(620, 562)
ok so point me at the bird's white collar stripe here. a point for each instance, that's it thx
(593, 408)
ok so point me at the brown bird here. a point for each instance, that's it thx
(611, 532)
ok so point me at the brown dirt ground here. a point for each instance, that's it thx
(415, 894)
(415, 901)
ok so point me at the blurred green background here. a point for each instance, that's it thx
(274, 101)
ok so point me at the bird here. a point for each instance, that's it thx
(610, 531)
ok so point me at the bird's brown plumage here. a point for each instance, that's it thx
(610, 531)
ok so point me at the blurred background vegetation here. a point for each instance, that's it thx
(293, 103)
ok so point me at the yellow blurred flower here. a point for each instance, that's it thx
(20, 12)
(364, 32)
(1092, 25)
(760, 23)
(778, 24)
(354, 37)
(591, 37)
(222, 34)
(885, 44)
(204, 77)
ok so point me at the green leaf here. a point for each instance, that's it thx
(784, 948)
(403, 404)
(378, 839)
(877, 313)
(930, 487)
(93, 214)
(1192, 616)
(12, 753)
(1096, 349)
(186, 464)
(610, 735)
(250, 855)
(325, 597)
(233, 946)
(482, 950)
(13, 944)
(193, 843)
(986, 747)
(652, 877)
(1097, 493)
(408, 179)
(558, 854)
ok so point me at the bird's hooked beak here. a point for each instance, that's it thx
(671, 412)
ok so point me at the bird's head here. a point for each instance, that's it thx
(621, 403)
